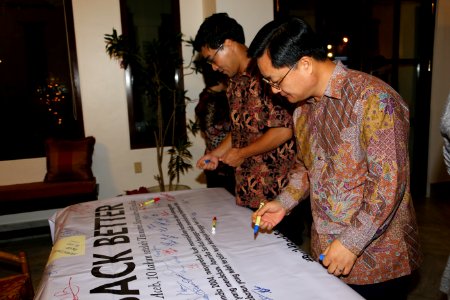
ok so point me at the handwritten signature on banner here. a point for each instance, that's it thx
(159, 223)
(187, 286)
(69, 292)
(261, 292)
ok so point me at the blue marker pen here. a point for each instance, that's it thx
(256, 228)
(321, 257)
(257, 221)
(207, 161)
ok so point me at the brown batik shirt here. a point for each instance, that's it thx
(253, 111)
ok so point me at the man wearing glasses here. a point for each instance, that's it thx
(260, 145)
(352, 162)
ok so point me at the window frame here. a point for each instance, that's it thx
(36, 147)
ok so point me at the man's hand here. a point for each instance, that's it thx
(208, 162)
(338, 259)
(271, 214)
(233, 157)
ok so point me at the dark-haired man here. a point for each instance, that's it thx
(352, 137)
(260, 144)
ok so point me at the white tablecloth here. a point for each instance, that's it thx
(119, 249)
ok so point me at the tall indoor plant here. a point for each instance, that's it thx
(148, 68)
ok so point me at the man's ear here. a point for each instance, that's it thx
(306, 64)
(228, 42)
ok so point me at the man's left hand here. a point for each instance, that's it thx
(338, 259)
(233, 157)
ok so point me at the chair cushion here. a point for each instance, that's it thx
(69, 160)
(16, 287)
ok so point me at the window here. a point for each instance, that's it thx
(149, 27)
(39, 93)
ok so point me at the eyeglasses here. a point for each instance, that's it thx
(211, 60)
(276, 85)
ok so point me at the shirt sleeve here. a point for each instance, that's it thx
(298, 186)
(384, 136)
(279, 114)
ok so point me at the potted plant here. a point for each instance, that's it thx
(148, 69)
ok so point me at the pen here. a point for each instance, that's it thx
(258, 220)
(321, 257)
(207, 161)
(150, 201)
(256, 228)
(213, 230)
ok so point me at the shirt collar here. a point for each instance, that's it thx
(336, 82)
(251, 71)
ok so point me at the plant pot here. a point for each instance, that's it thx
(175, 187)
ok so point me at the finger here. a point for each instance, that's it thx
(333, 269)
(345, 271)
(262, 210)
(339, 271)
(205, 166)
(201, 163)
(253, 217)
(326, 260)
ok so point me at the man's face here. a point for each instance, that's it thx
(291, 82)
(221, 59)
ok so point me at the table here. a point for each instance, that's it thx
(161, 246)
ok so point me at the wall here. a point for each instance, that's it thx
(104, 102)
(103, 94)
(439, 91)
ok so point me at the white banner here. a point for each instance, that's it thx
(162, 246)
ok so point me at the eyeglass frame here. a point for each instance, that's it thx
(211, 60)
(277, 84)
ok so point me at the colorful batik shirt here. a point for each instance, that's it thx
(353, 163)
(263, 176)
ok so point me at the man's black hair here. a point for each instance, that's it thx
(287, 41)
(216, 29)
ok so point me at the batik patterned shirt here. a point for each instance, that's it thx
(253, 112)
(353, 163)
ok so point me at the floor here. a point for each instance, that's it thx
(434, 223)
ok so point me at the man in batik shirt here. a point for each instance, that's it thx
(260, 145)
(352, 136)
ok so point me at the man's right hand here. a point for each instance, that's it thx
(271, 214)
(208, 162)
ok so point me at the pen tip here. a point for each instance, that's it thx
(255, 229)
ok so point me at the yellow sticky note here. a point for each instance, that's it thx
(67, 247)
